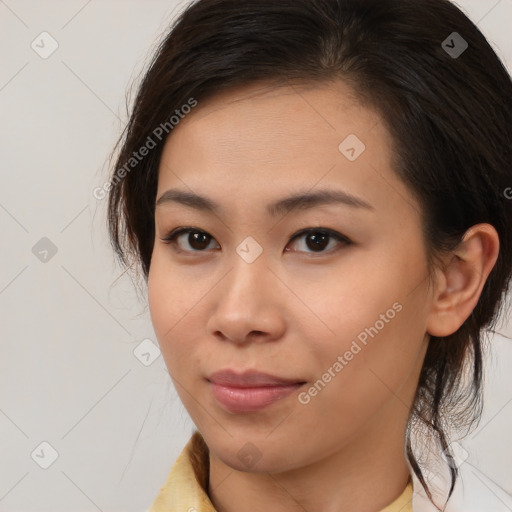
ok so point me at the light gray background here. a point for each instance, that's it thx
(69, 326)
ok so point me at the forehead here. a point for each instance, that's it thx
(257, 139)
(262, 114)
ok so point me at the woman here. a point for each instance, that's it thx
(315, 192)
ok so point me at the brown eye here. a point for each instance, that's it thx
(317, 240)
(196, 239)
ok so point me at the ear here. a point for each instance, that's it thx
(459, 284)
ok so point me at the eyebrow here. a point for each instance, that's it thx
(301, 201)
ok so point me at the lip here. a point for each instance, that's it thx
(251, 390)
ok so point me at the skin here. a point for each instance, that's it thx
(294, 310)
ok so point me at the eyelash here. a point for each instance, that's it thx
(170, 238)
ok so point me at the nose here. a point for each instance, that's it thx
(248, 305)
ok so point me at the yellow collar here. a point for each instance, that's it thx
(185, 488)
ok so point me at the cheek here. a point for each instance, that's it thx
(174, 329)
(377, 322)
(367, 375)
(168, 305)
(366, 291)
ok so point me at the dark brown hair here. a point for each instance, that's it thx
(449, 114)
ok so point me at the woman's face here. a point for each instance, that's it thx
(337, 314)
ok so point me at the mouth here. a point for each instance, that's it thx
(250, 391)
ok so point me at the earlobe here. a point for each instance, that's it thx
(459, 284)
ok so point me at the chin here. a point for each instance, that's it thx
(254, 456)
